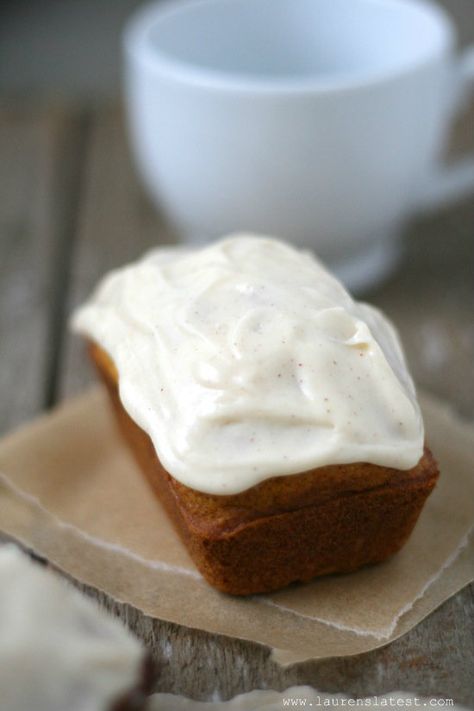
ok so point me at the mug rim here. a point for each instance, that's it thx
(137, 47)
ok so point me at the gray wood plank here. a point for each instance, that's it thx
(38, 171)
(433, 659)
(431, 296)
(431, 299)
(115, 226)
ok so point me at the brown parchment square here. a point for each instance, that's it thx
(70, 490)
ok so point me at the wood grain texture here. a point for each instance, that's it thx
(431, 299)
(433, 659)
(98, 218)
(431, 296)
(116, 224)
(39, 166)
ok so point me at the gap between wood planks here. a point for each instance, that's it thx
(67, 187)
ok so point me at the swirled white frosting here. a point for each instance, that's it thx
(246, 359)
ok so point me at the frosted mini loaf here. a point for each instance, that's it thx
(246, 360)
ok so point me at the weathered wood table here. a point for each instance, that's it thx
(70, 209)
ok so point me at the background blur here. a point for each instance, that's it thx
(72, 208)
(73, 46)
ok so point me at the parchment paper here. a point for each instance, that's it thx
(70, 490)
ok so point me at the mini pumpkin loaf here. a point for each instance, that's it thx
(271, 413)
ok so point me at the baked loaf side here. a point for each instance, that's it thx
(332, 519)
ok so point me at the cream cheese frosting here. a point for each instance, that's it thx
(247, 359)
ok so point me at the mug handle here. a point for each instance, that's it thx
(453, 183)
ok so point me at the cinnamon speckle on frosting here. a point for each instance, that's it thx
(248, 340)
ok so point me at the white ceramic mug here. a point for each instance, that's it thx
(320, 121)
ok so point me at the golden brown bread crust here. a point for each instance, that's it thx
(331, 519)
